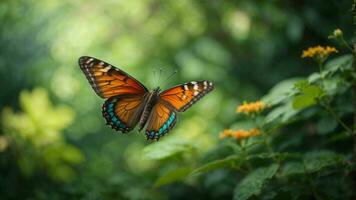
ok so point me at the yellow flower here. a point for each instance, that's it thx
(249, 108)
(318, 52)
(255, 132)
(240, 134)
(226, 133)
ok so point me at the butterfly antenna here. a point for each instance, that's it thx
(154, 77)
(159, 75)
(170, 76)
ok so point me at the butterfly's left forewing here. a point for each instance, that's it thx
(183, 96)
(179, 98)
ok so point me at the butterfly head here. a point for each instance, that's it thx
(157, 90)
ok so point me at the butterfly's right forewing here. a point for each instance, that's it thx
(108, 81)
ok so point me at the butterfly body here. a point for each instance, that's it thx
(129, 103)
(150, 101)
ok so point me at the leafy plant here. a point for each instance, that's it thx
(282, 113)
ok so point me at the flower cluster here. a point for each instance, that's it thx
(240, 134)
(319, 53)
(250, 108)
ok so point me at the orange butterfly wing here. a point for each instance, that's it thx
(108, 81)
(181, 97)
(161, 121)
(123, 112)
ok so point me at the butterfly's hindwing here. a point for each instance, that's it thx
(160, 122)
(183, 96)
(123, 112)
(108, 81)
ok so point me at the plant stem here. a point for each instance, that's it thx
(269, 148)
(266, 141)
(347, 46)
(310, 182)
(245, 154)
(354, 93)
(320, 65)
(337, 118)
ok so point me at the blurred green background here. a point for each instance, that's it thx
(54, 143)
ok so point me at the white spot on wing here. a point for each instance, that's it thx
(193, 82)
(196, 87)
(186, 87)
(89, 60)
(196, 93)
(107, 68)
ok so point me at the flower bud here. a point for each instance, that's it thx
(337, 33)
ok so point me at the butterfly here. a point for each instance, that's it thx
(129, 103)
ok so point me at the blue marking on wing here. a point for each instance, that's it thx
(111, 117)
(163, 130)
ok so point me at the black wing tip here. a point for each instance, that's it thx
(83, 59)
(209, 88)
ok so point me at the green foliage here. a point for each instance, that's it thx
(254, 182)
(35, 134)
(231, 161)
(166, 148)
(280, 92)
(309, 95)
(172, 176)
(315, 161)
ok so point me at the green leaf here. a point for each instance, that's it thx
(301, 85)
(306, 88)
(280, 92)
(313, 90)
(283, 113)
(340, 63)
(326, 125)
(281, 156)
(308, 94)
(316, 161)
(292, 168)
(166, 148)
(172, 176)
(344, 136)
(254, 182)
(331, 86)
(231, 161)
(314, 77)
(303, 101)
(313, 162)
